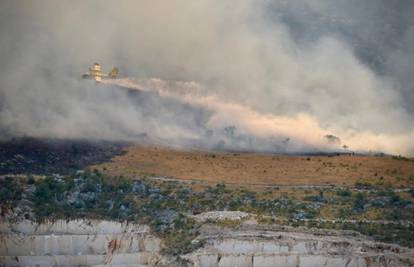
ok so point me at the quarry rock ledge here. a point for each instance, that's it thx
(110, 243)
(261, 248)
(77, 243)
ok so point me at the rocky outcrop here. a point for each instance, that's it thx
(78, 243)
(220, 215)
(257, 248)
(108, 243)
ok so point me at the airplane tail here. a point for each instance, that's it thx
(114, 73)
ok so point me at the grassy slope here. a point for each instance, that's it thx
(251, 168)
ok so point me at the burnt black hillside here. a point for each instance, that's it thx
(48, 156)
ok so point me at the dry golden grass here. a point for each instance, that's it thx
(252, 168)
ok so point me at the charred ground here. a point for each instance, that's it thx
(49, 156)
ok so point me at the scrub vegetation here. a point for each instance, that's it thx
(166, 206)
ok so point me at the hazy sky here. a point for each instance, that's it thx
(297, 69)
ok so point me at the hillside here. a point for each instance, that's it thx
(262, 169)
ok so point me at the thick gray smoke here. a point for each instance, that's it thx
(285, 76)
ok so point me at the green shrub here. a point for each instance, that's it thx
(344, 193)
(359, 202)
(30, 179)
(10, 190)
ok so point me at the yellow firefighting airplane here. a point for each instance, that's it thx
(95, 72)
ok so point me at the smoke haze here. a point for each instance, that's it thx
(254, 75)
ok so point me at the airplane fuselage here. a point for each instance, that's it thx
(95, 73)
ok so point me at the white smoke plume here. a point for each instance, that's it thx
(283, 74)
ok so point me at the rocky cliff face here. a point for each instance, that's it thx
(109, 243)
(78, 243)
(254, 248)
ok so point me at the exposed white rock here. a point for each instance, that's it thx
(77, 243)
(78, 260)
(73, 227)
(108, 243)
(297, 249)
(18, 245)
(221, 215)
